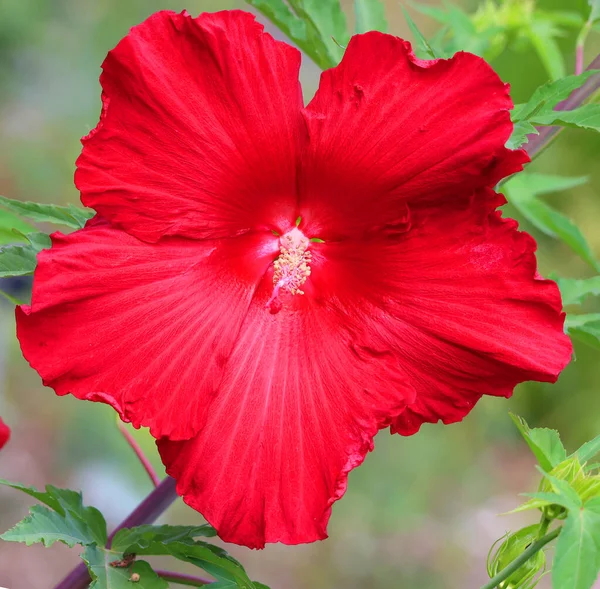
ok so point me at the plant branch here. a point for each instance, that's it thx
(537, 143)
(180, 579)
(521, 560)
(139, 453)
(145, 513)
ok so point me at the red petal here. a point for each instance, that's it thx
(388, 129)
(199, 131)
(457, 298)
(146, 328)
(297, 410)
(4, 433)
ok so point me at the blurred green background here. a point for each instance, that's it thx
(421, 512)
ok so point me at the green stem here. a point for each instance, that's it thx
(521, 560)
(544, 525)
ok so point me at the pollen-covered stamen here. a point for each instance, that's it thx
(292, 267)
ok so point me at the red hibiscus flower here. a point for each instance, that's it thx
(4, 433)
(267, 285)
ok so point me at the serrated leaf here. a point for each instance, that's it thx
(522, 192)
(544, 443)
(422, 46)
(574, 292)
(69, 215)
(519, 136)
(47, 526)
(546, 97)
(584, 117)
(584, 327)
(370, 16)
(577, 556)
(17, 260)
(182, 546)
(105, 576)
(588, 450)
(9, 222)
(303, 34)
(147, 534)
(68, 504)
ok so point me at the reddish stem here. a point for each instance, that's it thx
(578, 59)
(140, 454)
(181, 579)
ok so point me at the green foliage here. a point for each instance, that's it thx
(71, 216)
(544, 443)
(585, 327)
(107, 576)
(569, 493)
(64, 518)
(523, 191)
(574, 292)
(10, 224)
(370, 16)
(318, 27)
(159, 540)
(539, 109)
(422, 48)
(577, 559)
(584, 117)
(496, 26)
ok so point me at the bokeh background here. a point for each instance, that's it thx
(421, 512)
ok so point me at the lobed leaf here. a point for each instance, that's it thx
(544, 443)
(522, 191)
(67, 520)
(584, 327)
(577, 557)
(588, 450)
(69, 215)
(105, 576)
(584, 117)
(370, 16)
(178, 541)
(574, 291)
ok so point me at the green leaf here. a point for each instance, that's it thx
(327, 17)
(17, 260)
(546, 97)
(522, 190)
(542, 35)
(584, 117)
(585, 328)
(574, 292)
(588, 450)
(179, 542)
(521, 130)
(577, 557)
(304, 34)
(147, 534)
(544, 443)
(105, 576)
(71, 216)
(422, 46)
(370, 16)
(9, 222)
(568, 496)
(47, 526)
(67, 516)
(594, 11)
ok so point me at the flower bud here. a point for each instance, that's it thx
(512, 546)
